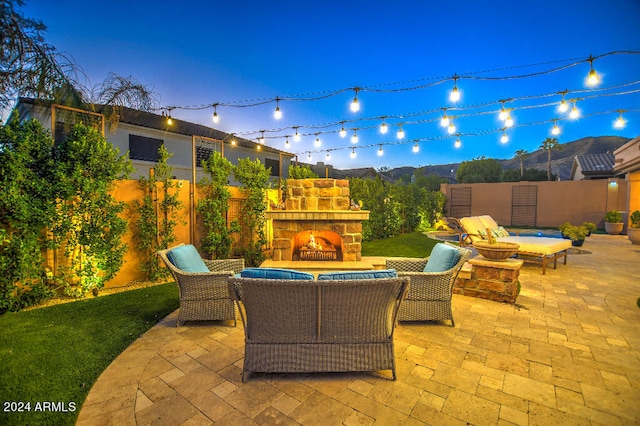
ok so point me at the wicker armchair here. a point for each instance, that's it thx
(205, 296)
(303, 326)
(430, 293)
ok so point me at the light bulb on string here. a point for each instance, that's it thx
(355, 104)
(353, 153)
(215, 116)
(452, 128)
(309, 157)
(354, 137)
(620, 122)
(233, 140)
(380, 151)
(563, 106)
(444, 121)
(593, 79)
(328, 156)
(317, 142)
(503, 112)
(259, 147)
(575, 112)
(416, 148)
(343, 131)
(454, 96)
(508, 122)
(400, 134)
(383, 127)
(296, 135)
(286, 143)
(261, 140)
(457, 143)
(555, 130)
(169, 119)
(277, 114)
(504, 138)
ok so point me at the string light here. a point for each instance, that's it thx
(261, 140)
(620, 122)
(457, 144)
(508, 122)
(233, 140)
(555, 130)
(343, 131)
(444, 121)
(593, 79)
(317, 142)
(504, 138)
(169, 120)
(215, 117)
(328, 156)
(353, 153)
(383, 127)
(575, 112)
(452, 128)
(503, 112)
(380, 151)
(286, 143)
(296, 136)
(309, 157)
(277, 114)
(259, 147)
(355, 105)
(564, 106)
(416, 148)
(400, 133)
(454, 96)
(354, 137)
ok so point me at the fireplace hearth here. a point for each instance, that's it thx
(320, 208)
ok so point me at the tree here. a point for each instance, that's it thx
(213, 208)
(548, 144)
(478, 170)
(521, 154)
(32, 68)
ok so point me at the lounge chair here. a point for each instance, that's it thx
(202, 283)
(430, 292)
(541, 250)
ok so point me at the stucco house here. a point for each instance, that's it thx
(141, 133)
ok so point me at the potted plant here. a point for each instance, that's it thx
(613, 222)
(590, 227)
(576, 234)
(563, 227)
(633, 232)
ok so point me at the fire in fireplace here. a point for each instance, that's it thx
(317, 245)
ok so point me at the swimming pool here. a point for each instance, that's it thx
(551, 233)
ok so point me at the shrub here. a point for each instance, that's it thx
(613, 216)
(635, 219)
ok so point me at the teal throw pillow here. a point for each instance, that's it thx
(358, 275)
(443, 257)
(187, 258)
(275, 274)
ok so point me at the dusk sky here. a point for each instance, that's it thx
(403, 55)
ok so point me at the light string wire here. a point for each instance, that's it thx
(319, 95)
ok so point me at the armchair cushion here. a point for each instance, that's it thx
(187, 258)
(443, 257)
(275, 274)
(358, 275)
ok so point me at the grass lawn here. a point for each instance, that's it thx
(55, 354)
(415, 244)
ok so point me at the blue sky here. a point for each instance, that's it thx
(239, 52)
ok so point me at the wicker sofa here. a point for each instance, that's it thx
(304, 326)
(204, 296)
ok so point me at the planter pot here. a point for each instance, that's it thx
(613, 228)
(577, 243)
(634, 235)
(497, 250)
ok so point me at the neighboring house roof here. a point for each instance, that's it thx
(159, 122)
(593, 165)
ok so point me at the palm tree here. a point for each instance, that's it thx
(548, 144)
(521, 153)
(32, 68)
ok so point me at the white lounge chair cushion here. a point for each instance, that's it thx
(539, 245)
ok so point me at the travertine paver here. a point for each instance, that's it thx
(568, 352)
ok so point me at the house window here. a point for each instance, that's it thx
(274, 164)
(144, 148)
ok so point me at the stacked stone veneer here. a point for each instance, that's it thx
(489, 279)
(317, 205)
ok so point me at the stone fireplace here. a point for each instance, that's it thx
(317, 223)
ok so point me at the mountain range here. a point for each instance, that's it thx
(561, 159)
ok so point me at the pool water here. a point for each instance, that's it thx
(551, 233)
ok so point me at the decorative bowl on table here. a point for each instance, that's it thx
(498, 250)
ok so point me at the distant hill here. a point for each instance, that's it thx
(561, 160)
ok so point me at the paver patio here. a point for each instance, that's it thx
(567, 353)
